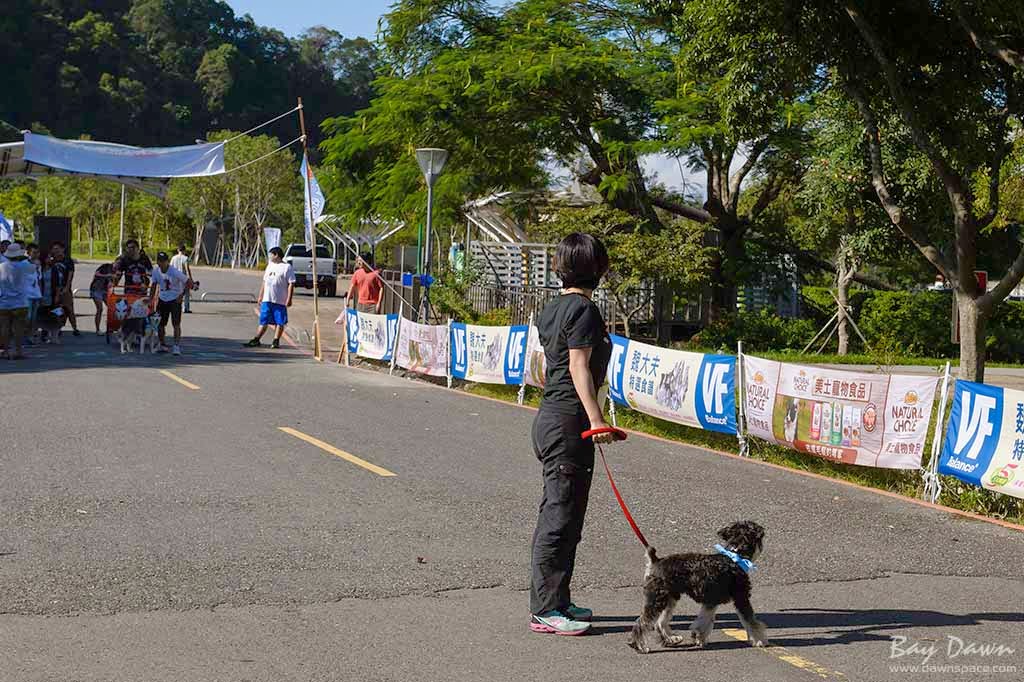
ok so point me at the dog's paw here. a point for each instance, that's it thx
(699, 638)
(758, 637)
(677, 640)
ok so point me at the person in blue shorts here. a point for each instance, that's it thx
(275, 298)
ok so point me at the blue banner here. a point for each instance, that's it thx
(984, 442)
(493, 355)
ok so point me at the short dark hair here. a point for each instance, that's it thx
(581, 261)
(181, 248)
(367, 258)
(129, 242)
(32, 245)
(60, 244)
(277, 251)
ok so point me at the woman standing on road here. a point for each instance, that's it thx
(98, 290)
(577, 350)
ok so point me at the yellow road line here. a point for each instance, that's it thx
(380, 471)
(186, 384)
(786, 656)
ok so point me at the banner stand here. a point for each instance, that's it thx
(741, 422)
(932, 483)
(449, 352)
(344, 335)
(611, 412)
(398, 333)
(522, 384)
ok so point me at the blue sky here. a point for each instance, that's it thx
(349, 17)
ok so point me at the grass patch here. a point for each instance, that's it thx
(908, 483)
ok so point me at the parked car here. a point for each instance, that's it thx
(302, 265)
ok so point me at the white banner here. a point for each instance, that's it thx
(490, 355)
(314, 201)
(272, 237)
(878, 420)
(105, 158)
(536, 364)
(423, 348)
(6, 229)
(695, 389)
(371, 336)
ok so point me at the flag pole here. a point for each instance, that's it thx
(312, 235)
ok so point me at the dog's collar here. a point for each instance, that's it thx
(746, 564)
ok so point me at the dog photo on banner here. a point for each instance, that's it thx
(423, 348)
(490, 355)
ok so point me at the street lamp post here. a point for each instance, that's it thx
(431, 162)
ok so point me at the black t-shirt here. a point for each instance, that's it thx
(571, 321)
(63, 272)
(136, 272)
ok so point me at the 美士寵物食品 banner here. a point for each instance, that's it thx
(877, 420)
(694, 389)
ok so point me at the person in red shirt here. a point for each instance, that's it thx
(365, 286)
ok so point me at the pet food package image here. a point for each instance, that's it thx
(849, 417)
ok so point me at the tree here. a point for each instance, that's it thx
(675, 258)
(913, 69)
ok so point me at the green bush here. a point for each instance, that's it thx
(761, 331)
(919, 322)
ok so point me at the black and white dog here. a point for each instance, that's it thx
(711, 580)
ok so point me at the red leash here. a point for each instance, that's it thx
(619, 434)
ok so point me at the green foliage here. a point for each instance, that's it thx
(153, 72)
(761, 331)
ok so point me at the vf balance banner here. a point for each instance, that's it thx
(984, 442)
(878, 420)
(694, 389)
(423, 348)
(491, 355)
(371, 336)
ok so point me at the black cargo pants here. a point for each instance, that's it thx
(568, 465)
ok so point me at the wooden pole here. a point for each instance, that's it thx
(312, 236)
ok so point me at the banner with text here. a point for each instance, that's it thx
(492, 355)
(536, 365)
(878, 420)
(984, 442)
(371, 336)
(694, 389)
(423, 348)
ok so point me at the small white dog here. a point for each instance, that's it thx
(133, 323)
(151, 337)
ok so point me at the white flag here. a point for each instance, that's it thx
(314, 201)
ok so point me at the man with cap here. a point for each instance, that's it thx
(167, 288)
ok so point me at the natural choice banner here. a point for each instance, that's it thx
(423, 348)
(694, 389)
(371, 336)
(878, 420)
(492, 355)
(536, 365)
(985, 438)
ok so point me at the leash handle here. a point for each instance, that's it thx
(619, 434)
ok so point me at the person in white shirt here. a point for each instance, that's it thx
(275, 298)
(167, 287)
(16, 275)
(179, 262)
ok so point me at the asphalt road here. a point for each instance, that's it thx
(153, 530)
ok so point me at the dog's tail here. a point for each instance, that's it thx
(652, 556)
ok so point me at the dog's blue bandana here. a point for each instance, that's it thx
(746, 564)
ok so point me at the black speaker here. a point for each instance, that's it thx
(50, 229)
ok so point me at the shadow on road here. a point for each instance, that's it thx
(850, 625)
(93, 352)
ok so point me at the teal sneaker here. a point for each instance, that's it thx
(556, 622)
(579, 613)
